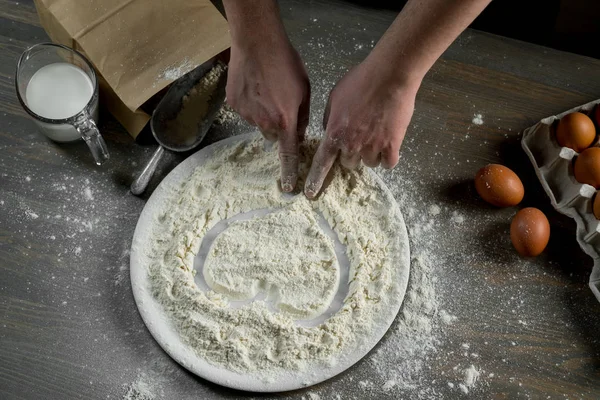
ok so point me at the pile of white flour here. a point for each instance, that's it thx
(253, 337)
(284, 254)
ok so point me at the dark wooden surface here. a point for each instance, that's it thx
(69, 327)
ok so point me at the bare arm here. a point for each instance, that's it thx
(370, 108)
(423, 31)
(253, 21)
(267, 83)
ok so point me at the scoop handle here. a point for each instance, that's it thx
(139, 185)
(88, 130)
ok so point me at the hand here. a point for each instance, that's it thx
(365, 119)
(268, 86)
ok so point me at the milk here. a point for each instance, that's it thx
(58, 91)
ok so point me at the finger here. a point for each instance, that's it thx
(322, 163)
(371, 158)
(349, 160)
(288, 157)
(266, 122)
(390, 157)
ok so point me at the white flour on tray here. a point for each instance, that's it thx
(253, 338)
(284, 253)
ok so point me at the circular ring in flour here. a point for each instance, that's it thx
(281, 256)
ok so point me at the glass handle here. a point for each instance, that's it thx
(88, 130)
(139, 185)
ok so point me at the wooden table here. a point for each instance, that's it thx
(69, 327)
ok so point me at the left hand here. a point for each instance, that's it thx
(365, 119)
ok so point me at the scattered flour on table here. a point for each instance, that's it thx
(412, 350)
(389, 384)
(446, 317)
(477, 119)
(434, 209)
(87, 192)
(457, 218)
(123, 268)
(471, 376)
(31, 214)
(143, 388)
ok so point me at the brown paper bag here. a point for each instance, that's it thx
(137, 46)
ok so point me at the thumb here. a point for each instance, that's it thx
(321, 164)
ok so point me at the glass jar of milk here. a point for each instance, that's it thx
(58, 87)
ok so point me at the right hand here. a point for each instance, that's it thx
(268, 86)
(365, 120)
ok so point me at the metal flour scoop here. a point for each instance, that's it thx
(184, 115)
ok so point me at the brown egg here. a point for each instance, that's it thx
(596, 206)
(499, 185)
(575, 131)
(530, 232)
(587, 167)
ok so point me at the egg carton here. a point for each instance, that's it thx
(554, 167)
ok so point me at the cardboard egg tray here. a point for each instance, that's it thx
(554, 167)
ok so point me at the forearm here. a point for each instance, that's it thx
(254, 22)
(421, 33)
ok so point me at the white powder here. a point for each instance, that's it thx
(403, 357)
(388, 385)
(123, 270)
(446, 317)
(285, 254)
(471, 376)
(253, 338)
(226, 115)
(457, 218)
(477, 119)
(28, 179)
(177, 71)
(434, 209)
(87, 192)
(406, 357)
(142, 388)
(31, 214)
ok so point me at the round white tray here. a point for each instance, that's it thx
(166, 335)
